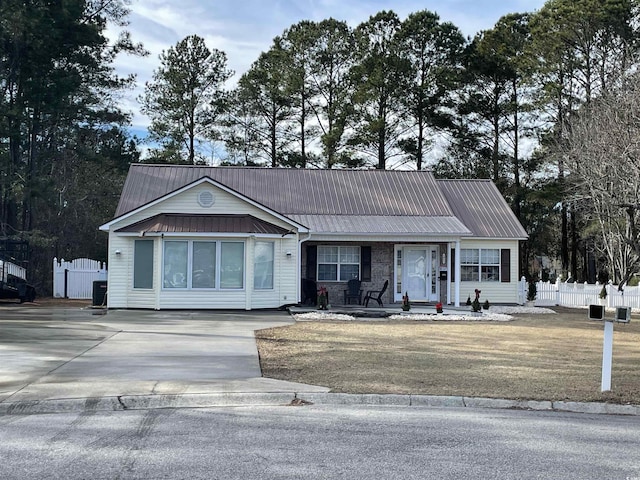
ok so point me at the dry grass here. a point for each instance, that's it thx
(547, 357)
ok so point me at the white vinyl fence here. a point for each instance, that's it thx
(75, 279)
(580, 294)
(8, 268)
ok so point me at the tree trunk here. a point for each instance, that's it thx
(381, 136)
(516, 159)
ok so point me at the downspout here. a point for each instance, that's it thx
(299, 266)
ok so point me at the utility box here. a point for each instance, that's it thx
(99, 293)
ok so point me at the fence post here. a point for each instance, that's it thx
(522, 290)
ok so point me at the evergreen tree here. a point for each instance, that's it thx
(185, 99)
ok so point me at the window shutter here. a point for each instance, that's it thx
(365, 264)
(452, 273)
(505, 265)
(312, 262)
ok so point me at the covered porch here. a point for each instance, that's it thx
(420, 269)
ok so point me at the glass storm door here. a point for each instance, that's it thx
(419, 275)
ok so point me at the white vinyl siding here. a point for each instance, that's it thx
(286, 278)
(495, 292)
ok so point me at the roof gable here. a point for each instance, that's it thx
(177, 191)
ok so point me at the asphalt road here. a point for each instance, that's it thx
(319, 442)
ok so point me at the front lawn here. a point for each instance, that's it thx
(537, 357)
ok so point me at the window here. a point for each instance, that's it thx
(175, 264)
(490, 265)
(338, 263)
(203, 274)
(203, 264)
(231, 265)
(143, 264)
(480, 265)
(263, 266)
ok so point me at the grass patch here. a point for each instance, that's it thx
(535, 357)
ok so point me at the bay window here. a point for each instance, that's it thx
(190, 264)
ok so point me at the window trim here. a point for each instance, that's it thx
(218, 263)
(338, 263)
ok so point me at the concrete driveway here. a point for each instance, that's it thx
(54, 353)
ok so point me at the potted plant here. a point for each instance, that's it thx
(469, 301)
(323, 298)
(532, 293)
(406, 305)
(603, 294)
(486, 305)
(439, 307)
(475, 305)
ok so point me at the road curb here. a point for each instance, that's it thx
(205, 400)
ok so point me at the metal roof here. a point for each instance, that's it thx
(344, 201)
(299, 191)
(482, 208)
(383, 224)
(181, 223)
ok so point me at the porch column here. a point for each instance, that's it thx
(250, 246)
(449, 266)
(457, 270)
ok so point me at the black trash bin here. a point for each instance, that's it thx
(99, 293)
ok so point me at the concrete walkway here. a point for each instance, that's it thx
(48, 354)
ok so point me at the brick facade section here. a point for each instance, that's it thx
(381, 270)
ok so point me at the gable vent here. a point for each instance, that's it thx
(205, 199)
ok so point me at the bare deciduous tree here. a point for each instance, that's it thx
(603, 154)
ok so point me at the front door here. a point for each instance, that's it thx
(418, 273)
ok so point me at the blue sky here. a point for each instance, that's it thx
(244, 28)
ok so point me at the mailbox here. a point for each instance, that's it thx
(596, 312)
(443, 274)
(623, 314)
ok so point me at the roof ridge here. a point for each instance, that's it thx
(232, 167)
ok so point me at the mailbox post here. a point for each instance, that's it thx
(623, 315)
(607, 356)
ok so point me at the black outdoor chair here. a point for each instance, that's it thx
(376, 295)
(353, 291)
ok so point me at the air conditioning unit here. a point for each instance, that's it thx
(623, 314)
